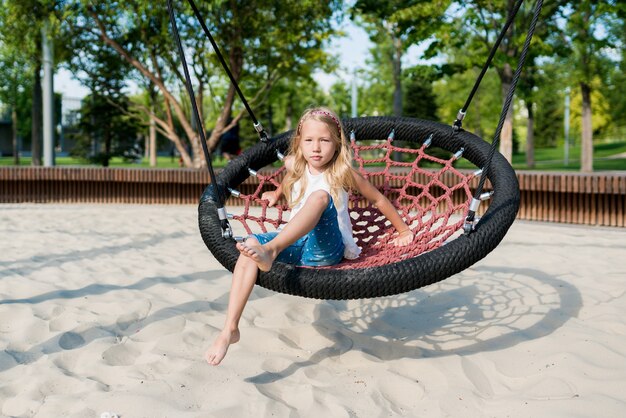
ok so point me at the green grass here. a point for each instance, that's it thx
(553, 159)
(162, 162)
(606, 158)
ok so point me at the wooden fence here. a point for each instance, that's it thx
(589, 199)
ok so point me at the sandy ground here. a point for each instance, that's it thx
(110, 309)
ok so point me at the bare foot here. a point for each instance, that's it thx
(262, 257)
(215, 354)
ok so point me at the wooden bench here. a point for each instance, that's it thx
(576, 198)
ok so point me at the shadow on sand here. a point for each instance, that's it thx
(494, 308)
(119, 329)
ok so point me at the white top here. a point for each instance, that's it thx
(318, 182)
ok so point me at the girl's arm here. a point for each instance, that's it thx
(378, 200)
(275, 195)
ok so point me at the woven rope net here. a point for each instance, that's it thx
(430, 194)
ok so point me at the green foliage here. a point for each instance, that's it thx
(105, 130)
(269, 41)
(484, 113)
(607, 158)
(419, 97)
(394, 25)
(275, 47)
(15, 88)
(410, 20)
(376, 81)
(261, 41)
(615, 81)
(548, 120)
(547, 95)
(601, 115)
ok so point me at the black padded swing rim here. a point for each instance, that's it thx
(398, 277)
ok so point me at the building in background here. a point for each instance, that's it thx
(67, 107)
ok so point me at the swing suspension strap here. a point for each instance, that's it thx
(478, 196)
(225, 225)
(257, 125)
(458, 123)
(263, 136)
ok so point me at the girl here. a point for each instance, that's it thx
(318, 176)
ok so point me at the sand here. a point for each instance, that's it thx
(110, 309)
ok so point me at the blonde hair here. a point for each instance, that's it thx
(338, 173)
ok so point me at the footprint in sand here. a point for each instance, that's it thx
(479, 379)
(71, 340)
(159, 328)
(276, 365)
(120, 355)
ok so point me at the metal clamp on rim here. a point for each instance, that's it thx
(471, 220)
(458, 123)
(227, 231)
(261, 131)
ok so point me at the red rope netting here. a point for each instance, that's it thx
(432, 201)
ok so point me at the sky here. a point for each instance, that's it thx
(352, 50)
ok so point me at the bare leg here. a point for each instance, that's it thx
(244, 277)
(253, 257)
(304, 221)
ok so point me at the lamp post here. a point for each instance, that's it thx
(566, 125)
(48, 98)
(354, 95)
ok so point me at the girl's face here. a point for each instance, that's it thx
(317, 145)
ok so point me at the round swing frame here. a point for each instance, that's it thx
(398, 277)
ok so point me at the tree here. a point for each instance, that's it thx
(600, 112)
(419, 98)
(615, 76)
(107, 121)
(107, 108)
(549, 105)
(261, 40)
(533, 76)
(395, 25)
(377, 92)
(587, 41)
(24, 35)
(14, 74)
(451, 92)
(469, 38)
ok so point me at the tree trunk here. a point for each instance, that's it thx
(530, 136)
(196, 147)
(586, 152)
(167, 126)
(152, 144)
(107, 148)
(16, 151)
(397, 84)
(397, 76)
(37, 115)
(506, 136)
(289, 114)
(270, 116)
(476, 115)
(236, 66)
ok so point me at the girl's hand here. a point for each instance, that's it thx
(271, 197)
(404, 238)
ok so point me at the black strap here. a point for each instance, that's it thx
(196, 114)
(257, 126)
(458, 123)
(505, 108)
